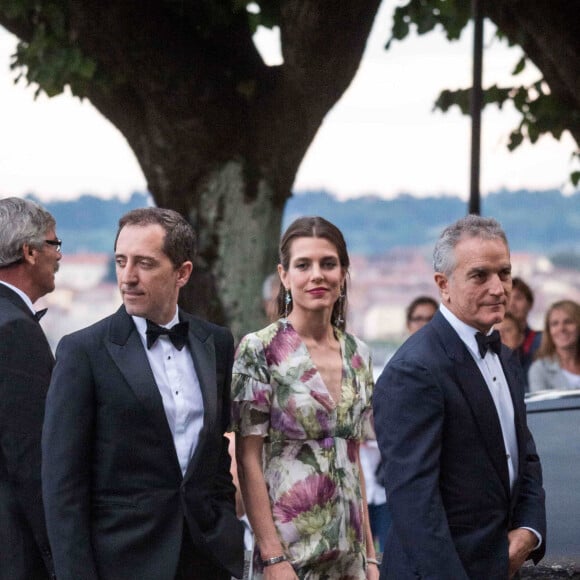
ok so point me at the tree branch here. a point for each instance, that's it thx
(549, 33)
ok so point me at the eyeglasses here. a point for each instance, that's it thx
(56, 243)
(420, 319)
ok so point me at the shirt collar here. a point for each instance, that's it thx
(141, 323)
(22, 295)
(466, 333)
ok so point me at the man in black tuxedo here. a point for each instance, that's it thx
(463, 479)
(135, 467)
(29, 257)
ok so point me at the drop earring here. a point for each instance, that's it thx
(287, 302)
(339, 311)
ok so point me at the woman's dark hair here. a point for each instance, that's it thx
(315, 227)
(519, 284)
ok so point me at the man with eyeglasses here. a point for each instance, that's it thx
(29, 259)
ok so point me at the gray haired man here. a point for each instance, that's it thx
(29, 259)
(464, 479)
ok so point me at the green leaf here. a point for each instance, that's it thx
(496, 95)
(520, 66)
(533, 132)
(426, 15)
(50, 59)
(516, 138)
(460, 98)
(306, 456)
(519, 97)
(575, 178)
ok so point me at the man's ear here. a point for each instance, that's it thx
(183, 273)
(28, 254)
(443, 284)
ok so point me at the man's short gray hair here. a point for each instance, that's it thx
(471, 226)
(21, 222)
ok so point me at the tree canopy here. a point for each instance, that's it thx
(548, 31)
(219, 134)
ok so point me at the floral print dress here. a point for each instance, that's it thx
(310, 445)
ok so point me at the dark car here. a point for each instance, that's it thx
(554, 420)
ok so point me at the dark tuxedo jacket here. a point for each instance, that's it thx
(115, 499)
(26, 362)
(446, 472)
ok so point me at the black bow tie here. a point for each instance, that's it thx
(40, 313)
(492, 341)
(177, 334)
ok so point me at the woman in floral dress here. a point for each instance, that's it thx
(301, 404)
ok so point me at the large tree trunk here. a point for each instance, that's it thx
(238, 248)
(218, 134)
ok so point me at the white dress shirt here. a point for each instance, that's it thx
(492, 371)
(178, 385)
(370, 457)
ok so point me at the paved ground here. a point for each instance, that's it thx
(549, 571)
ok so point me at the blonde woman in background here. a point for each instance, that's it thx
(557, 364)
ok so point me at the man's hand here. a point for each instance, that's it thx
(521, 543)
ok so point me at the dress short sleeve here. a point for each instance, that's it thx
(251, 389)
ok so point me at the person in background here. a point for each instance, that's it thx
(511, 332)
(301, 405)
(520, 304)
(420, 312)
(29, 260)
(135, 466)
(557, 364)
(464, 481)
(379, 517)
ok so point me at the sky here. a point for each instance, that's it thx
(382, 138)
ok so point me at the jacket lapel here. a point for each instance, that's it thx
(202, 350)
(477, 395)
(17, 302)
(128, 353)
(12, 297)
(510, 365)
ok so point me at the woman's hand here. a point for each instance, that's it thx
(281, 571)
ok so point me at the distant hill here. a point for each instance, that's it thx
(542, 221)
(535, 221)
(89, 223)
